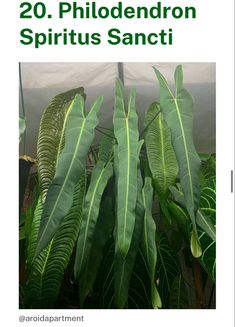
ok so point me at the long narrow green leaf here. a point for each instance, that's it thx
(49, 136)
(125, 124)
(79, 134)
(149, 241)
(33, 235)
(161, 156)
(178, 113)
(47, 269)
(104, 228)
(99, 179)
(123, 267)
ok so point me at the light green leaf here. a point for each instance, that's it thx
(125, 124)
(195, 245)
(100, 175)
(50, 135)
(178, 112)
(149, 241)
(206, 224)
(161, 156)
(33, 235)
(79, 134)
(47, 269)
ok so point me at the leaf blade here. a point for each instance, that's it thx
(126, 133)
(177, 111)
(161, 156)
(149, 241)
(99, 179)
(70, 165)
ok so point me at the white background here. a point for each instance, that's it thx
(208, 38)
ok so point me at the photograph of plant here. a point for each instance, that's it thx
(128, 223)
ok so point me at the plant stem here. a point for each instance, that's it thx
(197, 271)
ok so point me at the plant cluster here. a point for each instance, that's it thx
(129, 223)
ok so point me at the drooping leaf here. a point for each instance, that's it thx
(181, 216)
(206, 221)
(79, 134)
(125, 124)
(178, 112)
(47, 269)
(149, 241)
(103, 231)
(202, 219)
(161, 156)
(178, 296)
(195, 245)
(100, 175)
(49, 137)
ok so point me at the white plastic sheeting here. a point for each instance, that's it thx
(42, 81)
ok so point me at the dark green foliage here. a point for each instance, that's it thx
(124, 232)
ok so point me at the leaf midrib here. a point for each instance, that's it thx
(89, 213)
(184, 139)
(128, 177)
(44, 265)
(185, 149)
(163, 155)
(66, 178)
(145, 230)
